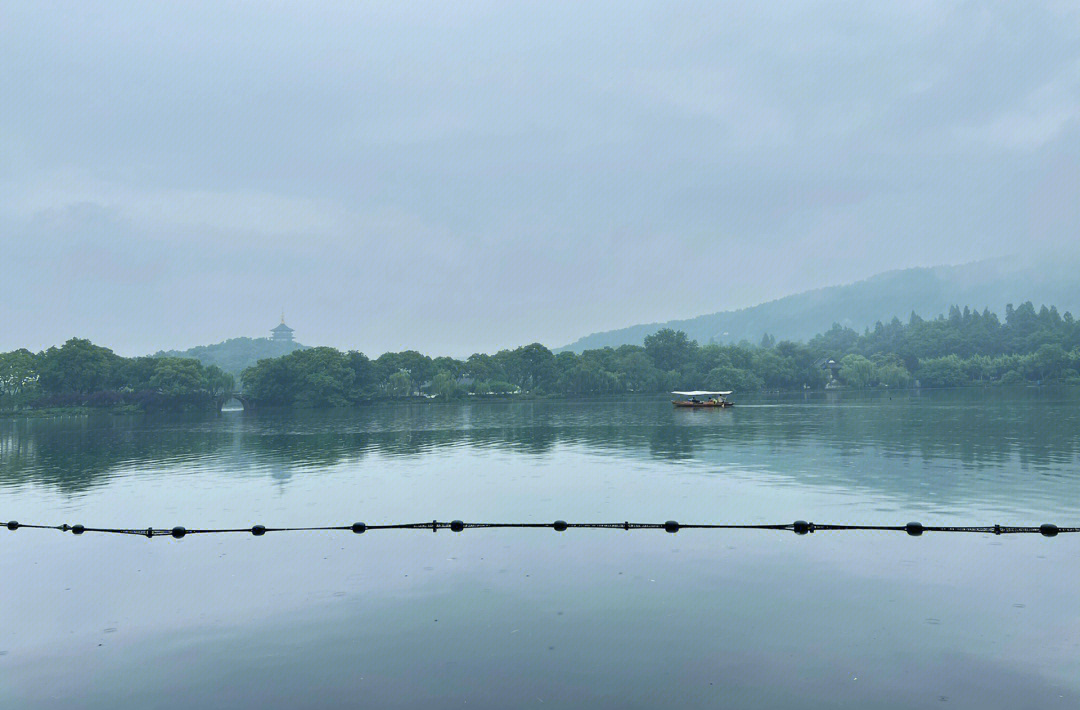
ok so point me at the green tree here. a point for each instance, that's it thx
(669, 349)
(176, 377)
(325, 377)
(444, 386)
(639, 372)
(416, 365)
(483, 367)
(728, 377)
(945, 371)
(531, 367)
(365, 381)
(78, 366)
(1050, 361)
(18, 378)
(399, 384)
(893, 376)
(857, 371)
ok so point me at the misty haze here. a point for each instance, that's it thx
(413, 354)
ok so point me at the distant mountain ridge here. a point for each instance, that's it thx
(926, 291)
(235, 354)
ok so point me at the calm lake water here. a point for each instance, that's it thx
(534, 618)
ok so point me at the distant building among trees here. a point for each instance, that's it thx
(236, 354)
(282, 332)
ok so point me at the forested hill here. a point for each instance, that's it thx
(927, 291)
(235, 354)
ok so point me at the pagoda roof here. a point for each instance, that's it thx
(281, 329)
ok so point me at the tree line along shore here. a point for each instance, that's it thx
(964, 347)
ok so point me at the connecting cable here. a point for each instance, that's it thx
(799, 527)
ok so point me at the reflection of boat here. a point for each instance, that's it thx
(701, 398)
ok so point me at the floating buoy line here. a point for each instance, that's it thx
(799, 527)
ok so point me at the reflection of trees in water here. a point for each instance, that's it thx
(1014, 448)
(1033, 430)
(987, 432)
(71, 453)
(675, 443)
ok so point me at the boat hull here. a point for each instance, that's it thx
(702, 405)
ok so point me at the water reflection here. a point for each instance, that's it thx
(505, 618)
(991, 444)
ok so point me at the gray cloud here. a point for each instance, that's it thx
(472, 176)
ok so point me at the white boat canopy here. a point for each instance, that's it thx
(704, 393)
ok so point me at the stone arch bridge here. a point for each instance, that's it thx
(240, 397)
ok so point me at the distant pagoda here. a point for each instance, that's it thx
(282, 332)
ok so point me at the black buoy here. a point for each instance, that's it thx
(800, 527)
(1048, 529)
(178, 532)
(671, 526)
(559, 525)
(13, 525)
(914, 529)
(457, 525)
(258, 530)
(78, 529)
(358, 528)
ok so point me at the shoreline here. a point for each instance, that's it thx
(31, 413)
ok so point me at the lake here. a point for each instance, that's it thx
(497, 618)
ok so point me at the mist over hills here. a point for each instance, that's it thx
(926, 291)
(235, 354)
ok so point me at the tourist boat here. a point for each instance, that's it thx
(701, 398)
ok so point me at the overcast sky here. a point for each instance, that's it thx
(461, 177)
